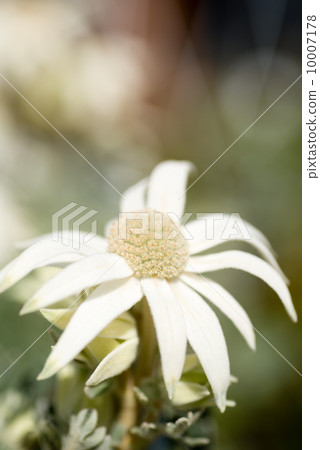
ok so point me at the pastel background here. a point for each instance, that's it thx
(131, 83)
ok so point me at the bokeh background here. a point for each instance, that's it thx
(130, 83)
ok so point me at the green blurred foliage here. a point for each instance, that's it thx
(259, 177)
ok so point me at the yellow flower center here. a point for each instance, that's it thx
(151, 243)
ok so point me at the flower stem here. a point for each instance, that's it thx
(145, 364)
(128, 412)
(130, 409)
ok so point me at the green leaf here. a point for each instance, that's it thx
(95, 438)
(106, 444)
(181, 425)
(84, 423)
(83, 434)
(141, 396)
(188, 392)
(196, 441)
(102, 388)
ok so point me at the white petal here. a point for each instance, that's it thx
(167, 186)
(134, 197)
(123, 327)
(219, 222)
(170, 329)
(93, 245)
(207, 340)
(60, 317)
(99, 347)
(101, 307)
(254, 237)
(115, 362)
(187, 392)
(40, 254)
(249, 263)
(86, 273)
(221, 298)
(231, 403)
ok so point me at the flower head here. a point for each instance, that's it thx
(157, 263)
(160, 250)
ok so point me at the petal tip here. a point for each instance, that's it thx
(231, 403)
(49, 369)
(252, 344)
(30, 306)
(171, 387)
(6, 283)
(221, 402)
(47, 314)
(91, 382)
(292, 312)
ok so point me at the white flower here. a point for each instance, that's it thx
(163, 269)
(108, 354)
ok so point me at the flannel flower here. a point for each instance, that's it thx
(160, 263)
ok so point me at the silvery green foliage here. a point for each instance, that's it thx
(84, 434)
(95, 391)
(174, 430)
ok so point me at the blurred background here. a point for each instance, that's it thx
(130, 83)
